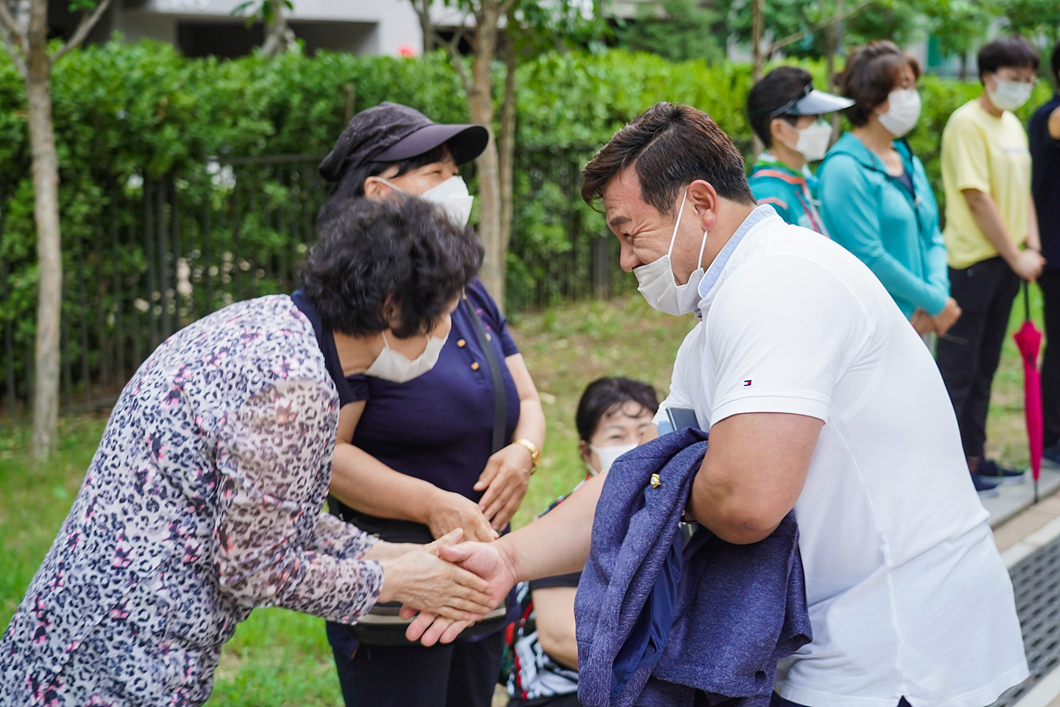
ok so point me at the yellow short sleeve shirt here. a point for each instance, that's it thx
(990, 154)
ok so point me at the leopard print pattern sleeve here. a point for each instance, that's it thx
(266, 451)
(202, 502)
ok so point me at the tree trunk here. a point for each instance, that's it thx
(506, 139)
(964, 66)
(833, 39)
(278, 35)
(423, 12)
(757, 62)
(49, 242)
(758, 24)
(480, 105)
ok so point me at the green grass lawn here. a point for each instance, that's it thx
(281, 658)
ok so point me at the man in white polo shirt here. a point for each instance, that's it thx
(818, 397)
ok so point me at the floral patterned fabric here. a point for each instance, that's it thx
(202, 502)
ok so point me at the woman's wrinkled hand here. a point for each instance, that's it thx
(449, 511)
(423, 581)
(505, 480)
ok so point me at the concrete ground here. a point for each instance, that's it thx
(1024, 532)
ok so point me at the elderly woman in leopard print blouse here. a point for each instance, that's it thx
(204, 498)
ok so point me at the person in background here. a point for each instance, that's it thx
(991, 236)
(612, 416)
(875, 196)
(786, 112)
(1044, 141)
(416, 459)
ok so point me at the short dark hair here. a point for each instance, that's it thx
(872, 72)
(780, 86)
(669, 146)
(372, 257)
(1014, 51)
(351, 184)
(1054, 63)
(604, 396)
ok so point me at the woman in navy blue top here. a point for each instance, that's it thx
(415, 460)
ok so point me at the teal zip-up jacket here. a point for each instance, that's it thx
(791, 194)
(875, 217)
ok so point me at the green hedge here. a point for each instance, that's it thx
(125, 113)
(582, 99)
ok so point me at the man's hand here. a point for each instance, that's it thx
(423, 581)
(487, 560)
(505, 480)
(449, 511)
(1028, 265)
(947, 317)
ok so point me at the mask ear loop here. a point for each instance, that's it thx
(392, 186)
(673, 238)
(702, 247)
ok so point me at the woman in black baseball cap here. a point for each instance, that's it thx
(395, 142)
(453, 448)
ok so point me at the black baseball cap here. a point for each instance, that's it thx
(391, 132)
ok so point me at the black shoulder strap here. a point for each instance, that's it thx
(500, 405)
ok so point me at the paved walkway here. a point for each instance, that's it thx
(1021, 530)
(1015, 498)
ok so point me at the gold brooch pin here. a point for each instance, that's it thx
(655, 482)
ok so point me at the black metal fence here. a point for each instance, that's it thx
(158, 255)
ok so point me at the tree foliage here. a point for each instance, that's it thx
(1035, 19)
(676, 30)
(125, 114)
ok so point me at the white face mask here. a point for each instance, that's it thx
(451, 195)
(1010, 95)
(813, 140)
(608, 455)
(903, 110)
(393, 366)
(658, 284)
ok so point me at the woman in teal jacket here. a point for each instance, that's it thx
(876, 200)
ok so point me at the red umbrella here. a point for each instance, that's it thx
(1029, 341)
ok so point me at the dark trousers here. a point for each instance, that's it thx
(969, 352)
(452, 675)
(778, 701)
(1050, 284)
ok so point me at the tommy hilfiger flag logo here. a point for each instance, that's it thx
(747, 383)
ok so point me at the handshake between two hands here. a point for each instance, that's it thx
(447, 585)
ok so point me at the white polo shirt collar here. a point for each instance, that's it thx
(708, 285)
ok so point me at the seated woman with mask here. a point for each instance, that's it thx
(613, 414)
